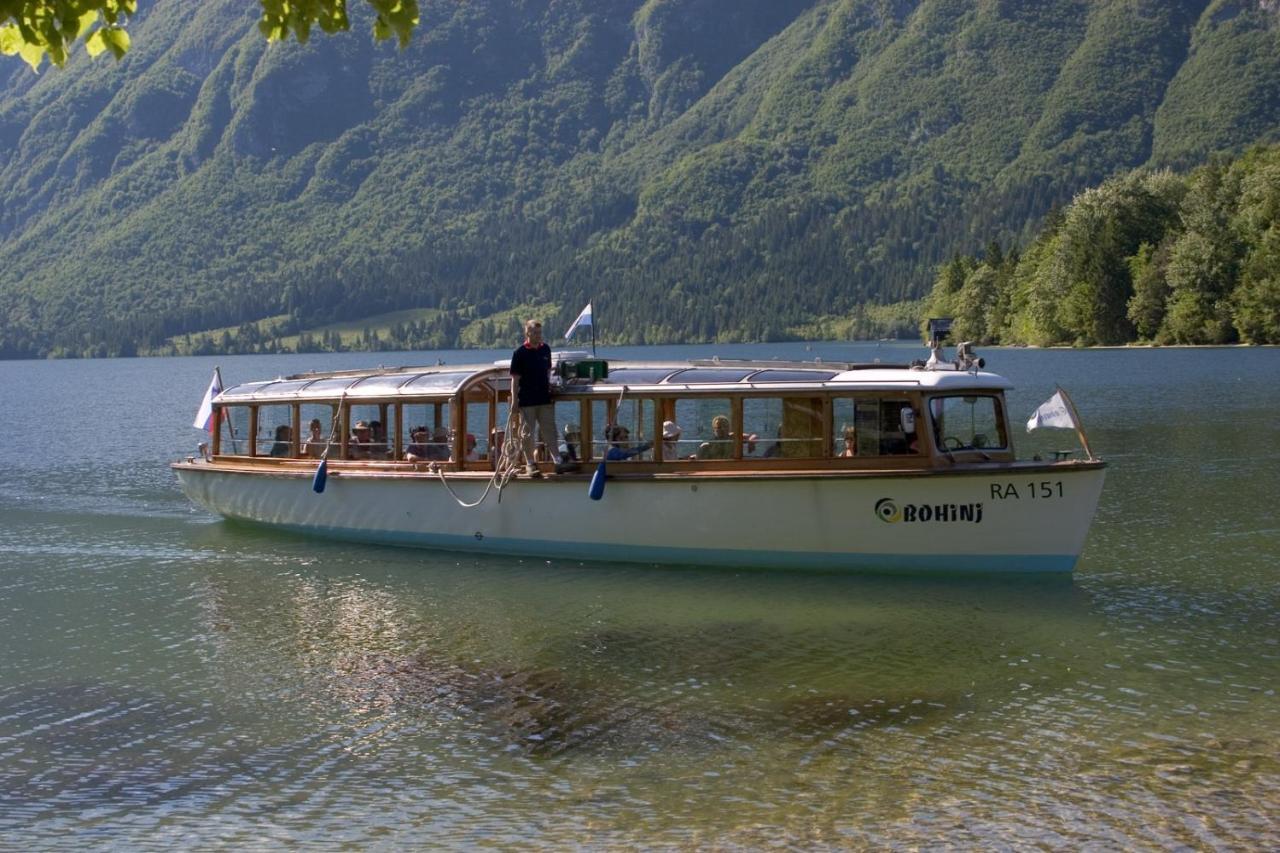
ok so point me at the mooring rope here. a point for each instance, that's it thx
(505, 467)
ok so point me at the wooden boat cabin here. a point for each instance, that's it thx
(702, 416)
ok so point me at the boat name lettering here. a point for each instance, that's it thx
(888, 511)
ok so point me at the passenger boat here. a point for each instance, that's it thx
(813, 465)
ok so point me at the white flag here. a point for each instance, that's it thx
(584, 319)
(204, 417)
(1052, 413)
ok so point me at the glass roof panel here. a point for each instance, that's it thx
(774, 374)
(379, 386)
(430, 383)
(711, 375)
(640, 375)
(331, 387)
(244, 390)
(284, 387)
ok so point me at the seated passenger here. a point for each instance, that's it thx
(315, 443)
(282, 445)
(720, 446)
(572, 441)
(418, 447)
(471, 454)
(671, 433)
(850, 443)
(438, 449)
(360, 445)
(620, 444)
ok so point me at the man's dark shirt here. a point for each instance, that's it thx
(533, 366)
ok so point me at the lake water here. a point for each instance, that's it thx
(169, 679)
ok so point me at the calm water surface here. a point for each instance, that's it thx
(168, 678)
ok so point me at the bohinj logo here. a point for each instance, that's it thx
(888, 511)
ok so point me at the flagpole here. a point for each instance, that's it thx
(1075, 419)
(593, 328)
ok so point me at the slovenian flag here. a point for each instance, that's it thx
(584, 319)
(204, 418)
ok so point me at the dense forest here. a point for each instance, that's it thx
(702, 170)
(1150, 256)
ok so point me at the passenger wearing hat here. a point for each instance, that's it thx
(670, 440)
(572, 438)
(360, 445)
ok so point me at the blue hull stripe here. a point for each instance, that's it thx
(969, 563)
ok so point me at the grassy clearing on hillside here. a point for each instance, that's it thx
(352, 331)
(507, 327)
(868, 322)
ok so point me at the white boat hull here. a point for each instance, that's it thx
(1018, 518)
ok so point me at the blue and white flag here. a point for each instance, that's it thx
(1052, 413)
(204, 417)
(584, 319)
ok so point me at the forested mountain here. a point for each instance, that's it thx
(702, 169)
(1152, 256)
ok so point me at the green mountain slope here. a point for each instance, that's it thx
(702, 169)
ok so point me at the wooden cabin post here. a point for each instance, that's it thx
(253, 430)
(397, 450)
(735, 426)
(344, 415)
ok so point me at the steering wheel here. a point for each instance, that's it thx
(952, 443)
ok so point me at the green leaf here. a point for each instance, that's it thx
(87, 20)
(10, 40)
(32, 54)
(116, 40)
(95, 44)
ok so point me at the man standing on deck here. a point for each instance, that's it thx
(531, 394)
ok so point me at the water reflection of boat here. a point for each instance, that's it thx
(804, 465)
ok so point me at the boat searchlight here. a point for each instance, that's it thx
(966, 358)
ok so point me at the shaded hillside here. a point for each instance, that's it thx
(703, 169)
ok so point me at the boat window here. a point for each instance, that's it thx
(275, 431)
(569, 425)
(317, 428)
(710, 375)
(872, 425)
(968, 422)
(233, 425)
(477, 425)
(705, 427)
(369, 431)
(625, 428)
(426, 433)
(784, 427)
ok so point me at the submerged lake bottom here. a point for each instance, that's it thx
(171, 678)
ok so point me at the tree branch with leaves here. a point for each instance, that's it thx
(35, 29)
